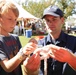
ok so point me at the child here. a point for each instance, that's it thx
(11, 53)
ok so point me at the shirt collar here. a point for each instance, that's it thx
(62, 37)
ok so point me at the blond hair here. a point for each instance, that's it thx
(6, 5)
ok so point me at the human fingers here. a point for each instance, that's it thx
(54, 47)
(31, 44)
(38, 50)
(33, 63)
(29, 48)
(33, 40)
(62, 54)
(36, 62)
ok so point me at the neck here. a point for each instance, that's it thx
(3, 32)
(55, 36)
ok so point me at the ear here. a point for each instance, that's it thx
(62, 20)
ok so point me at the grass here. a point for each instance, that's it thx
(24, 40)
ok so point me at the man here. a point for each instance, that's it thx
(64, 46)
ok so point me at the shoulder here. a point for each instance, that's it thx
(71, 42)
(68, 36)
(14, 35)
(71, 37)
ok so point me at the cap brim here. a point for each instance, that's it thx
(53, 14)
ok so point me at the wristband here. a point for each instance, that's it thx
(22, 56)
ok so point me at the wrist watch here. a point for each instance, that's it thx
(22, 56)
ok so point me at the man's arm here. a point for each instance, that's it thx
(72, 61)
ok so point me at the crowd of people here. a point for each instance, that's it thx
(60, 47)
(37, 28)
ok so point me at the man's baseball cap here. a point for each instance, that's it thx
(53, 10)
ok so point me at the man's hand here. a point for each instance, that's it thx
(61, 54)
(33, 63)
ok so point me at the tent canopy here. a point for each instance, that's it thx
(23, 13)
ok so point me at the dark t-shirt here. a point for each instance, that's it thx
(55, 67)
(9, 46)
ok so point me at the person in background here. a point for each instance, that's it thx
(11, 52)
(33, 28)
(62, 60)
(16, 29)
(21, 29)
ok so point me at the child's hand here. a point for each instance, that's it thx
(29, 48)
(33, 40)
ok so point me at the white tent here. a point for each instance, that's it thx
(23, 13)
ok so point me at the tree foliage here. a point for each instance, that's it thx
(68, 7)
(37, 8)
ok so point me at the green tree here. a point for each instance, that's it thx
(68, 6)
(37, 8)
